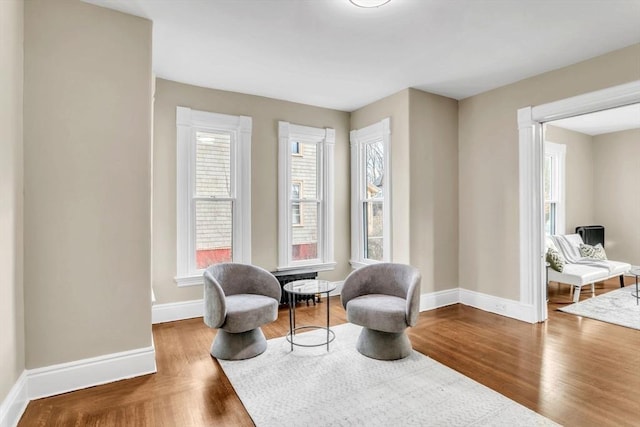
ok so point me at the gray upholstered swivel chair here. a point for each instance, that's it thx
(238, 299)
(384, 299)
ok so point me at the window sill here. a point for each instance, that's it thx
(358, 264)
(193, 280)
(296, 269)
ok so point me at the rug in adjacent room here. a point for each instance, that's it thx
(341, 387)
(619, 307)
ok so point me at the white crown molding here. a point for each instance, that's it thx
(169, 312)
(66, 377)
(14, 405)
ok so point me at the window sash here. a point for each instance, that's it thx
(305, 199)
(214, 243)
(231, 177)
(554, 187)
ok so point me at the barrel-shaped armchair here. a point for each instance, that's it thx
(238, 299)
(385, 299)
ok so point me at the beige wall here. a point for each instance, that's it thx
(424, 181)
(87, 148)
(433, 164)
(266, 113)
(396, 107)
(488, 164)
(616, 180)
(579, 177)
(11, 200)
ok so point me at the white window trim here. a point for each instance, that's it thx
(326, 139)
(187, 122)
(558, 153)
(359, 138)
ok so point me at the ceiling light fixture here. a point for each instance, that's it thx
(369, 3)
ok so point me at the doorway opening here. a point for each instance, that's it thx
(591, 166)
(531, 154)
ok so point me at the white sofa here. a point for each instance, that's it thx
(579, 272)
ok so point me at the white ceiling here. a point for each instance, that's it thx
(332, 54)
(605, 121)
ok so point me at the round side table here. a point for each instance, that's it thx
(307, 288)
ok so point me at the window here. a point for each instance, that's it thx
(553, 174)
(296, 217)
(213, 192)
(370, 197)
(305, 233)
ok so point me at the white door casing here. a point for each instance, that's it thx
(531, 152)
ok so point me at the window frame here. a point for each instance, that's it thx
(360, 138)
(299, 183)
(325, 140)
(557, 153)
(188, 122)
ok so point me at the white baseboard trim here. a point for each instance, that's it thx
(439, 299)
(173, 311)
(502, 306)
(338, 289)
(505, 307)
(66, 377)
(13, 406)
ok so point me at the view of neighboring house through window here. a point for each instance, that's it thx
(213, 198)
(295, 147)
(296, 217)
(213, 186)
(305, 201)
(305, 197)
(553, 185)
(370, 205)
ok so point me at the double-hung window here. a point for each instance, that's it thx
(305, 196)
(213, 191)
(554, 200)
(370, 195)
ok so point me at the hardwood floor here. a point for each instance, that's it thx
(576, 371)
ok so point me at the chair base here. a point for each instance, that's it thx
(383, 345)
(245, 345)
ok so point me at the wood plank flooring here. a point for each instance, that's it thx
(576, 371)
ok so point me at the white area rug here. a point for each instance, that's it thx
(618, 307)
(313, 387)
